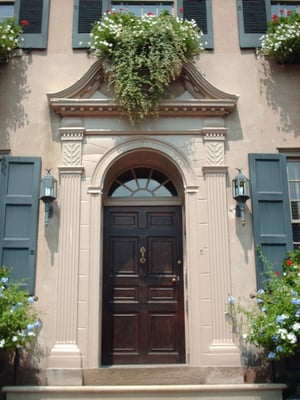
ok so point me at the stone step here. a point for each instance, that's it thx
(144, 376)
(161, 375)
(147, 392)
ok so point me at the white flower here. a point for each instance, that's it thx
(292, 338)
(2, 343)
(296, 326)
(282, 333)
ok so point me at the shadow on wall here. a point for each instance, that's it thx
(13, 90)
(25, 372)
(280, 83)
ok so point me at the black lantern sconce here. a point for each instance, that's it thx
(241, 193)
(48, 194)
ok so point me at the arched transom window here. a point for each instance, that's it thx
(142, 182)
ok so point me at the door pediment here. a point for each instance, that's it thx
(191, 95)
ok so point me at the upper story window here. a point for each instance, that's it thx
(284, 7)
(36, 13)
(141, 8)
(6, 9)
(293, 175)
(253, 17)
(86, 12)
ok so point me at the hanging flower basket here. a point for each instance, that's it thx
(282, 40)
(142, 56)
(10, 32)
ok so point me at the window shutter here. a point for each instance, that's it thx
(252, 19)
(19, 204)
(36, 12)
(200, 11)
(271, 209)
(86, 12)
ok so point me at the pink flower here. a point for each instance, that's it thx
(181, 9)
(281, 11)
(274, 17)
(289, 263)
(150, 14)
(24, 22)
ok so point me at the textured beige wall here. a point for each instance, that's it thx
(267, 117)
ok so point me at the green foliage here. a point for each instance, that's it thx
(10, 32)
(282, 40)
(272, 319)
(18, 318)
(142, 56)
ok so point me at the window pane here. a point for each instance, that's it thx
(296, 233)
(293, 172)
(284, 7)
(142, 182)
(295, 207)
(6, 11)
(142, 8)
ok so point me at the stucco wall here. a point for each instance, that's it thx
(266, 118)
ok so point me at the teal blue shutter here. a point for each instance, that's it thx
(36, 12)
(200, 11)
(272, 225)
(86, 12)
(252, 21)
(19, 204)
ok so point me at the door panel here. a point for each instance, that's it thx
(143, 313)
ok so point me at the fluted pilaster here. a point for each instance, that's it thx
(219, 260)
(65, 353)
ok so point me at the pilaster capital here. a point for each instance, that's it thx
(71, 139)
(214, 140)
(215, 169)
(71, 133)
(214, 133)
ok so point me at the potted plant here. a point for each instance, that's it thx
(272, 319)
(282, 40)
(10, 32)
(142, 56)
(19, 324)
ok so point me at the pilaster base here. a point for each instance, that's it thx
(224, 355)
(66, 356)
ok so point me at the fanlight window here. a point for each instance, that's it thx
(142, 182)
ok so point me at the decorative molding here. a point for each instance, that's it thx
(215, 134)
(71, 134)
(71, 154)
(215, 169)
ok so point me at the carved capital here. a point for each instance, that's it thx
(71, 139)
(214, 140)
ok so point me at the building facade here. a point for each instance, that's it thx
(144, 217)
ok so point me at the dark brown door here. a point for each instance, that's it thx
(143, 307)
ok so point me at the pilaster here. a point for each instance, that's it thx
(65, 354)
(223, 351)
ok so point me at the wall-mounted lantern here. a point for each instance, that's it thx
(241, 193)
(48, 194)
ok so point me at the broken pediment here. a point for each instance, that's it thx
(189, 95)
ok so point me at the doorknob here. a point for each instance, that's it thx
(175, 279)
(142, 255)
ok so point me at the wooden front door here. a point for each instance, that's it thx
(143, 302)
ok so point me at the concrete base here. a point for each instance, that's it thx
(148, 392)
